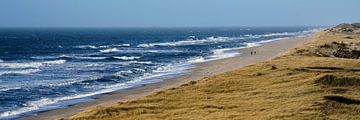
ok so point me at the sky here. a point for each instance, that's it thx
(176, 13)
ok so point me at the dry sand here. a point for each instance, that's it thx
(201, 70)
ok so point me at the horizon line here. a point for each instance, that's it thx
(135, 27)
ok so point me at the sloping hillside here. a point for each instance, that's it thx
(318, 80)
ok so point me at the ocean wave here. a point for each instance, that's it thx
(55, 62)
(43, 104)
(145, 45)
(122, 45)
(139, 69)
(123, 73)
(30, 64)
(127, 57)
(212, 39)
(250, 36)
(91, 58)
(115, 50)
(81, 57)
(48, 103)
(25, 71)
(288, 34)
(101, 46)
(223, 53)
(191, 42)
(7, 89)
(140, 62)
(86, 47)
(99, 57)
(110, 50)
(197, 59)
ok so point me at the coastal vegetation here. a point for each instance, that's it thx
(319, 79)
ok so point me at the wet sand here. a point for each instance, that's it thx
(201, 70)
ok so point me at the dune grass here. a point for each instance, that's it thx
(304, 83)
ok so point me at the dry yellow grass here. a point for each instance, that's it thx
(301, 84)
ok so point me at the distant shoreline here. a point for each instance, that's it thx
(201, 70)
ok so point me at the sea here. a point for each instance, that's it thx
(48, 68)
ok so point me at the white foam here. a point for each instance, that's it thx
(86, 47)
(145, 45)
(123, 45)
(21, 65)
(127, 57)
(223, 39)
(91, 58)
(108, 46)
(122, 73)
(190, 42)
(25, 71)
(147, 51)
(30, 64)
(223, 53)
(55, 62)
(229, 52)
(110, 50)
(9, 88)
(139, 69)
(94, 65)
(140, 62)
(252, 44)
(197, 59)
(101, 46)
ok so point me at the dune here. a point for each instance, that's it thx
(319, 79)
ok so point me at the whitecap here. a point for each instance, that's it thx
(127, 57)
(139, 69)
(123, 45)
(55, 62)
(21, 65)
(145, 45)
(110, 50)
(24, 71)
(191, 41)
(91, 58)
(86, 47)
(141, 62)
(10, 88)
(30, 64)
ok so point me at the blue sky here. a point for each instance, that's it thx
(176, 13)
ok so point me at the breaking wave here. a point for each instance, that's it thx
(29, 64)
(190, 42)
(100, 46)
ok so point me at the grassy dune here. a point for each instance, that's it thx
(317, 80)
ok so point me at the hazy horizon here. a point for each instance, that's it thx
(171, 13)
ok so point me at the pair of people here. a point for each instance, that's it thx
(253, 52)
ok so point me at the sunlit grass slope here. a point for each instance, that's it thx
(317, 80)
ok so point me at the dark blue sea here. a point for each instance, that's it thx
(43, 69)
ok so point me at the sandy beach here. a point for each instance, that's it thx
(201, 70)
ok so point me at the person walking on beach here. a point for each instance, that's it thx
(251, 52)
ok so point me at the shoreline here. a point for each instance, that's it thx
(200, 70)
